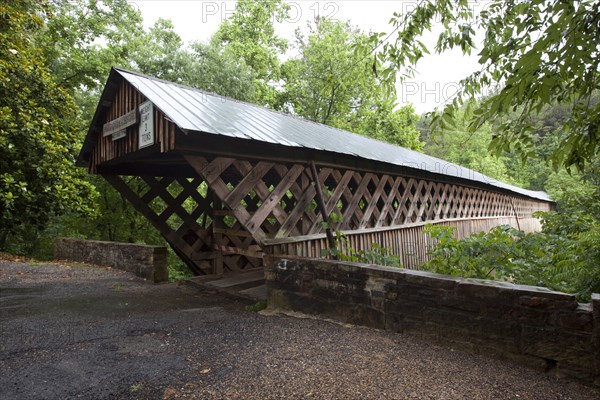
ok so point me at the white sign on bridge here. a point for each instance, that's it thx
(146, 124)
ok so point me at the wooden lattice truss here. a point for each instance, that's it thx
(220, 218)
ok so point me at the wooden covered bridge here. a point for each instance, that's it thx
(226, 182)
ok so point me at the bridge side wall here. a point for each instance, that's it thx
(149, 262)
(529, 325)
(285, 209)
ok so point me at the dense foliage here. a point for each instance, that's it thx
(537, 52)
(468, 149)
(38, 137)
(249, 35)
(328, 83)
(564, 256)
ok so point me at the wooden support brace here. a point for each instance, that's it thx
(180, 246)
(322, 208)
(512, 203)
(373, 202)
(387, 207)
(211, 173)
(272, 200)
(353, 209)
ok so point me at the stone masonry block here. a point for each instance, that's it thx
(149, 262)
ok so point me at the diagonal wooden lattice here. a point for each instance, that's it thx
(273, 201)
(267, 200)
(179, 209)
(222, 218)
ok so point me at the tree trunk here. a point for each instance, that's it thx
(3, 238)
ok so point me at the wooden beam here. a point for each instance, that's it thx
(512, 203)
(272, 201)
(299, 209)
(358, 232)
(211, 173)
(322, 208)
(247, 184)
(261, 189)
(388, 205)
(182, 248)
(353, 210)
(373, 202)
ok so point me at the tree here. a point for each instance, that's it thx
(161, 53)
(467, 149)
(330, 83)
(323, 84)
(539, 52)
(577, 193)
(217, 71)
(38, 136)
(75, 43)
(249, 35)
(546, 137)
(82, 39)
(398, 126)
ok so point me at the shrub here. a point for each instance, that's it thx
(178, 270)
(482, 255)
(564, 256)
(375, 255)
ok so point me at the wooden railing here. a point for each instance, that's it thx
(407, 241)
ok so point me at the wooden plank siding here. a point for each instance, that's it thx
(126, 99)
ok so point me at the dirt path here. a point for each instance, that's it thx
(93, 333)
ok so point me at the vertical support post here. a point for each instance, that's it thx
(596, 333)
(322, 208)
(217, 236)
(512, 203)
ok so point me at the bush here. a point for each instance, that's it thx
(482, 255)
(178, 270)
(375, 255)
(564, 256)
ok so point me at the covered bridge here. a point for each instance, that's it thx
(226, 182)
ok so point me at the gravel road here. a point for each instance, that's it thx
(82, 332)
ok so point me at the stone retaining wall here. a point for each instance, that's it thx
(530, 325)
(149, 262)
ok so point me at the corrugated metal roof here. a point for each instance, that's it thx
(194, 110)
